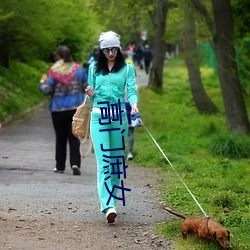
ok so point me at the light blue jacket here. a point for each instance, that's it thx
(111, 87)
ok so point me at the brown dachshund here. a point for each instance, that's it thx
(204, 229)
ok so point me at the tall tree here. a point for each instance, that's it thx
(201, 99)
(223, 38)
(159, 44)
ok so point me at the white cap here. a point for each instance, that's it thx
(109, 39)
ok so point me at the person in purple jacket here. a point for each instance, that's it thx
(65, 83)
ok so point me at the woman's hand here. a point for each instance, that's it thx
(90, 91)
(43, 79)
(134, 109)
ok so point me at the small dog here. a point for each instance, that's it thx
(204, 229)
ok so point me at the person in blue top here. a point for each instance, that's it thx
(108, 77)
(65, 83)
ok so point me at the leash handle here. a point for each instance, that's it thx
(174, 170)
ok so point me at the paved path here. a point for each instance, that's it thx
(141, 78)
(30, 190)
(26, 163)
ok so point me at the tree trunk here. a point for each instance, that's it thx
(235, 109)
(201, 99)
(223, 38)
(159, 47)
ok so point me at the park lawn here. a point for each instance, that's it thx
(192, 143)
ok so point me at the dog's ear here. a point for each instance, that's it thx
(228, 237)
(214, 235)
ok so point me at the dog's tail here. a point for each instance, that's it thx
(175, 213)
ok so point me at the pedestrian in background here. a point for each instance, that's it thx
(108, 78)
(147, 54)
(92, 57)
(131, 129)
(65, 84)
(138, 52)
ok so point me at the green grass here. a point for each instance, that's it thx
(214, 164)
(19, 88)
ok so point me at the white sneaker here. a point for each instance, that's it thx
(111, 214)
(76, 170)
(58, 171)
(129, 156)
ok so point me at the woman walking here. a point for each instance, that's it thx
(108, 78)
(65, 84)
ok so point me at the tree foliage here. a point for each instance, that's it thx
(28, 33)
(241, 18)
(242, 35)
(126, 17)
(175, 25)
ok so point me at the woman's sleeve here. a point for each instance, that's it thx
(131, 85)
(91, 78)
(82, 75)
(47, 87)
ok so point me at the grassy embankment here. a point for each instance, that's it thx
(19, 92)
(214, 164)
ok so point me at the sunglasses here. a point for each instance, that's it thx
(106, 51)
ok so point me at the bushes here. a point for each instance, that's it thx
(231, 146)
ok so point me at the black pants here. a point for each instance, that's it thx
(131, 139)
(130, 129)
(62, 122)
(147, 66)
